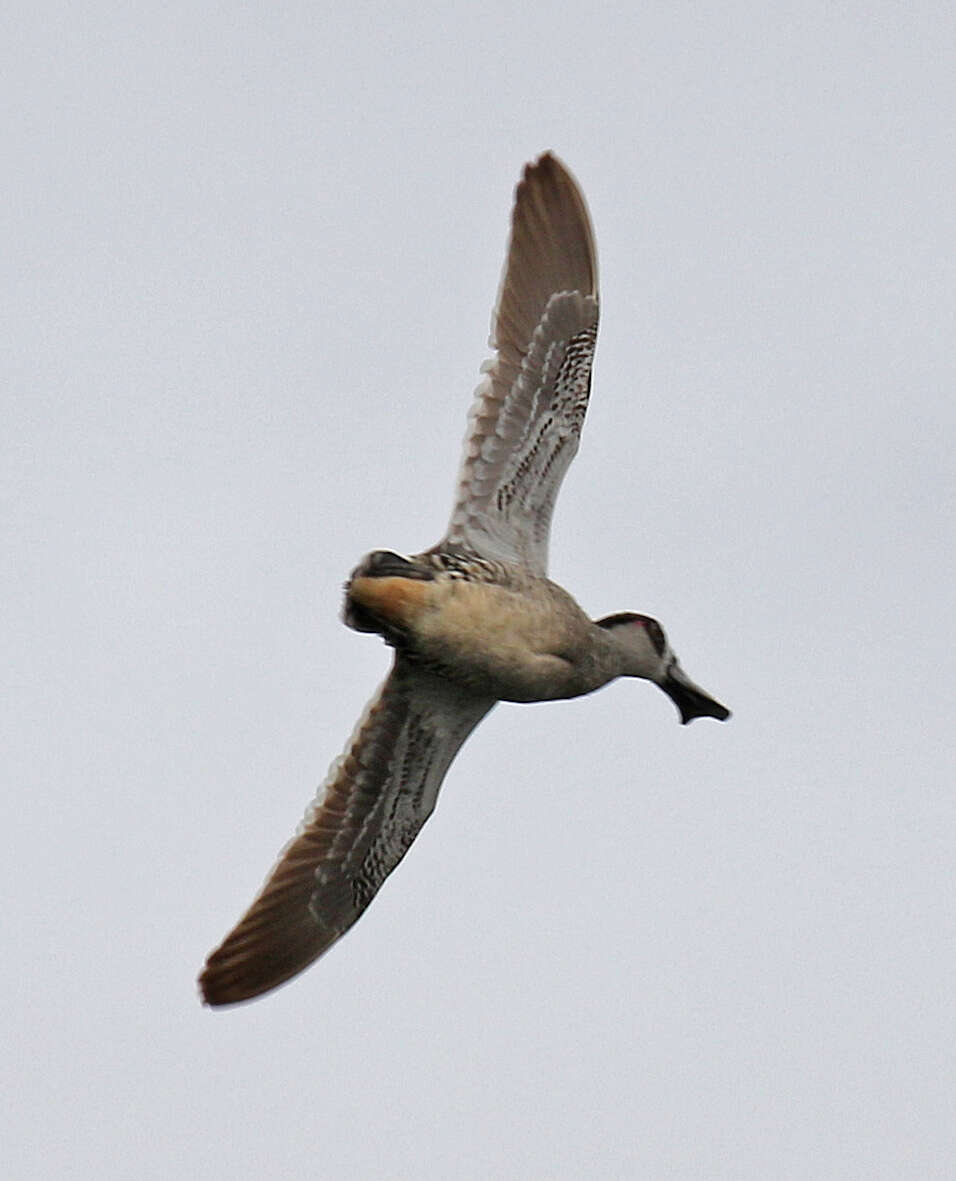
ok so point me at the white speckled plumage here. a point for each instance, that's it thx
(526, 418)
(474, 620)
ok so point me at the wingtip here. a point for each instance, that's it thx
(550, 217)
(547, 161)
(549, 168)
(217, 987)
(222, 985)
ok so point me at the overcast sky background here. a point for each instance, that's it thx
(249, 255)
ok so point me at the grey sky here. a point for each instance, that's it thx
(249, 260)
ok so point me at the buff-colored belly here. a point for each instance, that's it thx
(513, 645)
(501, 641)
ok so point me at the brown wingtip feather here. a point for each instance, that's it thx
(551, 207)
(551, 250)
(270, 945)
(279, 934)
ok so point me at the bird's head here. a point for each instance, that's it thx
(646, 653)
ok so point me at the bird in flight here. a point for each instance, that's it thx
(474, 620)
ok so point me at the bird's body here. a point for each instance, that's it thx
(474, 620)
(496, 629)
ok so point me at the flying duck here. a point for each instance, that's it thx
(474, 620)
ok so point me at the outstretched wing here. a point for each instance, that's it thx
(526, 419)
(377, 796)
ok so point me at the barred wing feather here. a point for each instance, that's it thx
(526, 420)
(378, 795)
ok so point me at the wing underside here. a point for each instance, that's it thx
(377, 796)
(526, 419)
